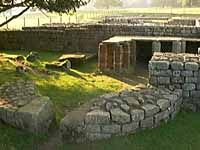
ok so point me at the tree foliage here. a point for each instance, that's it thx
(59, 6)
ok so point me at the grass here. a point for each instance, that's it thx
(69, 90)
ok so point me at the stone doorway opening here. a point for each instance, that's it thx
(166, 46)
(192, 47)
(143, 52)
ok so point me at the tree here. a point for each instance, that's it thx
(58, 6)
(107, 3)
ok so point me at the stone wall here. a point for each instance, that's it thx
(121, 113)
(23, 107)
(83, 37)
(177, 71)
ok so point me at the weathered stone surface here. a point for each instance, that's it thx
(163, 104)
(191, 79)
(150, 109)
(37, 115)
(23, 107)
(176, 65)
(132, 101)
(195, 94)
(186, 73)
(176, 73)
(97, 117)
(119, 116)
(147, 123)
(160, 65)
(137, 114)
(192, 66)
(164, 80)
(111, 128)
(162, 116)
(188, 86)
(130, 128)
(93, 128)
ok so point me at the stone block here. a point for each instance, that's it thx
(162, 116)
(93, 128)
(159, 65)
(97, 117)
(119, 116)
(186, 94)
(132, 101)
(163, 73)
(111, 129)
(153, 80)
(150, 109)
(163, 80)
(176, 65)
(137, 115)
(188, 86)
(147, 123)
(191, 79)
(187, 73)
(36, 116)
(177, 80)
(191, 66)
(130, 128)
(176, 73)
(163, 104)
(195, 94)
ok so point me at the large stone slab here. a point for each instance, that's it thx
(22, 106)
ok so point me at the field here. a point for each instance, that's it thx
(39, 18)
(182, 133)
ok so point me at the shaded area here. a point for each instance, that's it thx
(166, 46)
(192, 47)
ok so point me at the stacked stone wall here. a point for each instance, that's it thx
(84, 37)
(177, 71)
(121, 113)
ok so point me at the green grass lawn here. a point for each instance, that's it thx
(68, 90)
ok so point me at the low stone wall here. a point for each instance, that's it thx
(23, 107)
(120, 113)
(177, 71)
(85, 37)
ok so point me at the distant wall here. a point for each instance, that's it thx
(85, 37)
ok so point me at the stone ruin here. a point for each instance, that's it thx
(177, 71)
(120, 113)
(22, 106)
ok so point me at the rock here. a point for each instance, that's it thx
(132, 101)
(163, 104)
(60, 66)
(137, 115)
(97, 117)
(112, 129)
(159, 65)
(32, 56)
(191, 66)
(150, 109)
(119, 116)
(130, 128)
(147, 123)
(175, 65)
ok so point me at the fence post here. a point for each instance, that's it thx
(38, 22)
(60, 18)
(7, 23)
(50, 20)
(24, 22)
